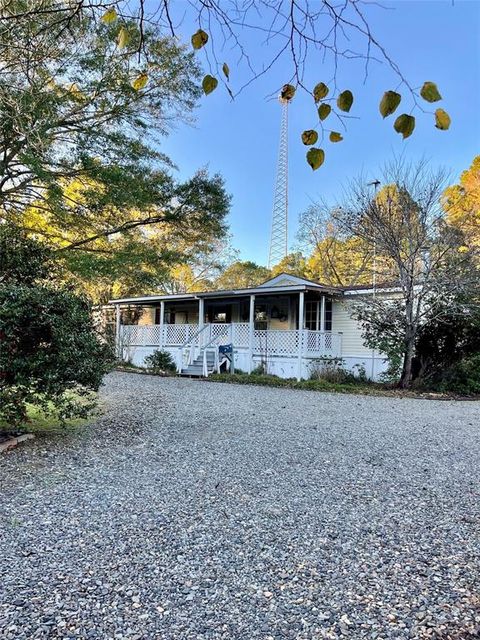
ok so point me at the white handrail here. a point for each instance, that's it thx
(216, 364)
(190, 343)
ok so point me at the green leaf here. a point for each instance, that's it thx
(123, 38)
(335, 136)
(442, 120)
(226, 70)
(320, 91)
(209, 84)
(309, 137)
(345, 100)
(109, 16)
(140, 81)
(405, 125)
(324, 111)
(315, 157)
(389, 103)
(287, 92)
(199, 39)
(429, 92)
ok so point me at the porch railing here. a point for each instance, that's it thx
(269, 342)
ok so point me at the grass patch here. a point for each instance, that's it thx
(358, 387)
(45, 423)
(41, 423)
(267, 380)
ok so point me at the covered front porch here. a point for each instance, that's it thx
(281, 329)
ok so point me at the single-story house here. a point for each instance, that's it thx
(287, 325)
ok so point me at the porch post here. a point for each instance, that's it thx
(322, 315)
(118, 328)
(201, 313)
(301, 324)
(162, 321)
(251, 329)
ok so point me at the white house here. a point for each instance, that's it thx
(285, 324)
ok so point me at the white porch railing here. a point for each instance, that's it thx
(269, 342)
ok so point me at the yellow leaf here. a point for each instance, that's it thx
(320, 91)
(389, 103)
(324, 111)
(345, 100)
(405, 125)
(315, 157)
(442, 119)
(209, 84)
(140, 81)
(226, 70)
(335, 137)
(287, 92)
(109, 16)
(430, 92)
(123, 38)
(309, 137)
(199, 39)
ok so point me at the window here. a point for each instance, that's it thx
(328, 314)
(311, 308)
(261, 317)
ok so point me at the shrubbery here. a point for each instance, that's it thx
(463, 377)
(160, 362)
(50, 353)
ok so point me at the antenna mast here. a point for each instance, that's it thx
(278, 238)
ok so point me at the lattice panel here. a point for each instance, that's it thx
(220, 332)
(322, 343)
(179, 334)
(276, 342)
(241, 334)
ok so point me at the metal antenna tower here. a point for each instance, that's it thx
(278, 238)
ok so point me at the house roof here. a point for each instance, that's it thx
(282, 283)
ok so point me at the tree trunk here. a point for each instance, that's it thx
(406, 376)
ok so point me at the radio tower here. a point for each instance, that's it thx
(278, 238)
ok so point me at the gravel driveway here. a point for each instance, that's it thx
(196, 510)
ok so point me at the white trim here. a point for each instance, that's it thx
(117, 332)
(162, 322)
(251, 332)
(226, 294)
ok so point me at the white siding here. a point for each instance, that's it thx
(352, 343)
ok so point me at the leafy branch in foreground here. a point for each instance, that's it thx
(298, 36)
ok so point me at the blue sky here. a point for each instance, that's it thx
(429, 40)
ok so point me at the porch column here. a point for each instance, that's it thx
(118, 328)
(322, 315)
(301, 324)
(162, 322)
(201, 313)
(251, 329)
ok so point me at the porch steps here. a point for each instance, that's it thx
(195, 370)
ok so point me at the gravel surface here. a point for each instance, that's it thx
(195, 510)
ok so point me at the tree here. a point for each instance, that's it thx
(336, 33)
(335, 258)
(112, 247)
(50, 354)
(405, 223)
(293, 263)
(462, 204)
(241, 275)
(85, 101)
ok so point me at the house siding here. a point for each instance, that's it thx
(352, 343)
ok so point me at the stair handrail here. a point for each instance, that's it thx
(216, 364)
(190, 343)
(208, 346)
